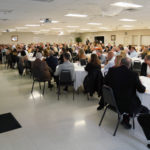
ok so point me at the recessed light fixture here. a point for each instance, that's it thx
(73, 26)
(94, 23)
(126, 5)
(56, 28)
(76, 15)
(127, 26)
(32, 25)
(127, 20)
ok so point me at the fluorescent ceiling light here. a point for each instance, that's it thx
(73, 26)
(127, 20)
(54, 21)
(126, 5)
(127, 26)
(93, 23)
(32, 25)
(56, 28)
(76, 15)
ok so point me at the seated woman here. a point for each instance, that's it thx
(145, 70)
(40, 69)
(22, 62)
(94, 80)
(144, 52)
(82, 57)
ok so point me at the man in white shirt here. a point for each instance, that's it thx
(110, 62)
(67, 65)
(133, 53)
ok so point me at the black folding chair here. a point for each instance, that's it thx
(137, 66)
(110, 102)
(83, 62)
(65, 79)
(74, 57)
(36, 79)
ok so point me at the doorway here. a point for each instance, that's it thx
(99, 39)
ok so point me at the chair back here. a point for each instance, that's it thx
(65, 77)
(137, 66)
(83, 62)
(109, 98)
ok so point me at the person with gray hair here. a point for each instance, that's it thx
(126, 62)
(40, 69)
(125, 83)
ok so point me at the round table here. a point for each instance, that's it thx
(80, 75)
(145, 97)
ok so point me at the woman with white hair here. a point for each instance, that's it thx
(40, 69)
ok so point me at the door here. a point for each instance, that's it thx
(99, 39)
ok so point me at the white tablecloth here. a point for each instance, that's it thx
(80, 75)
(137, 59)
(145, 97)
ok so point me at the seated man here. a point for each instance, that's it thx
(52, 61)
(144, 121)
(124, 84)
(67, 65)
(110, 62)
(133, 53)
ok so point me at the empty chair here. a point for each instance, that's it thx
(65, 79)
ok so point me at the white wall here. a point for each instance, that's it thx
(5, 38)
(122, 37)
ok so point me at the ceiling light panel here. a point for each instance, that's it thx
(76, 15)
(126, 5)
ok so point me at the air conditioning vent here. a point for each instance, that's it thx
(6, 11)
(3, 19)
(131, 9)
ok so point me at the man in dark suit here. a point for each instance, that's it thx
(125, 83)
(144, 121)
(52, 61)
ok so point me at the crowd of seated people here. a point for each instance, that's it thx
(51, 59)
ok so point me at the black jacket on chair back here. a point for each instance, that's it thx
(94, 80)
(144, 69)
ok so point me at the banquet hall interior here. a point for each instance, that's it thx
(74, 74)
